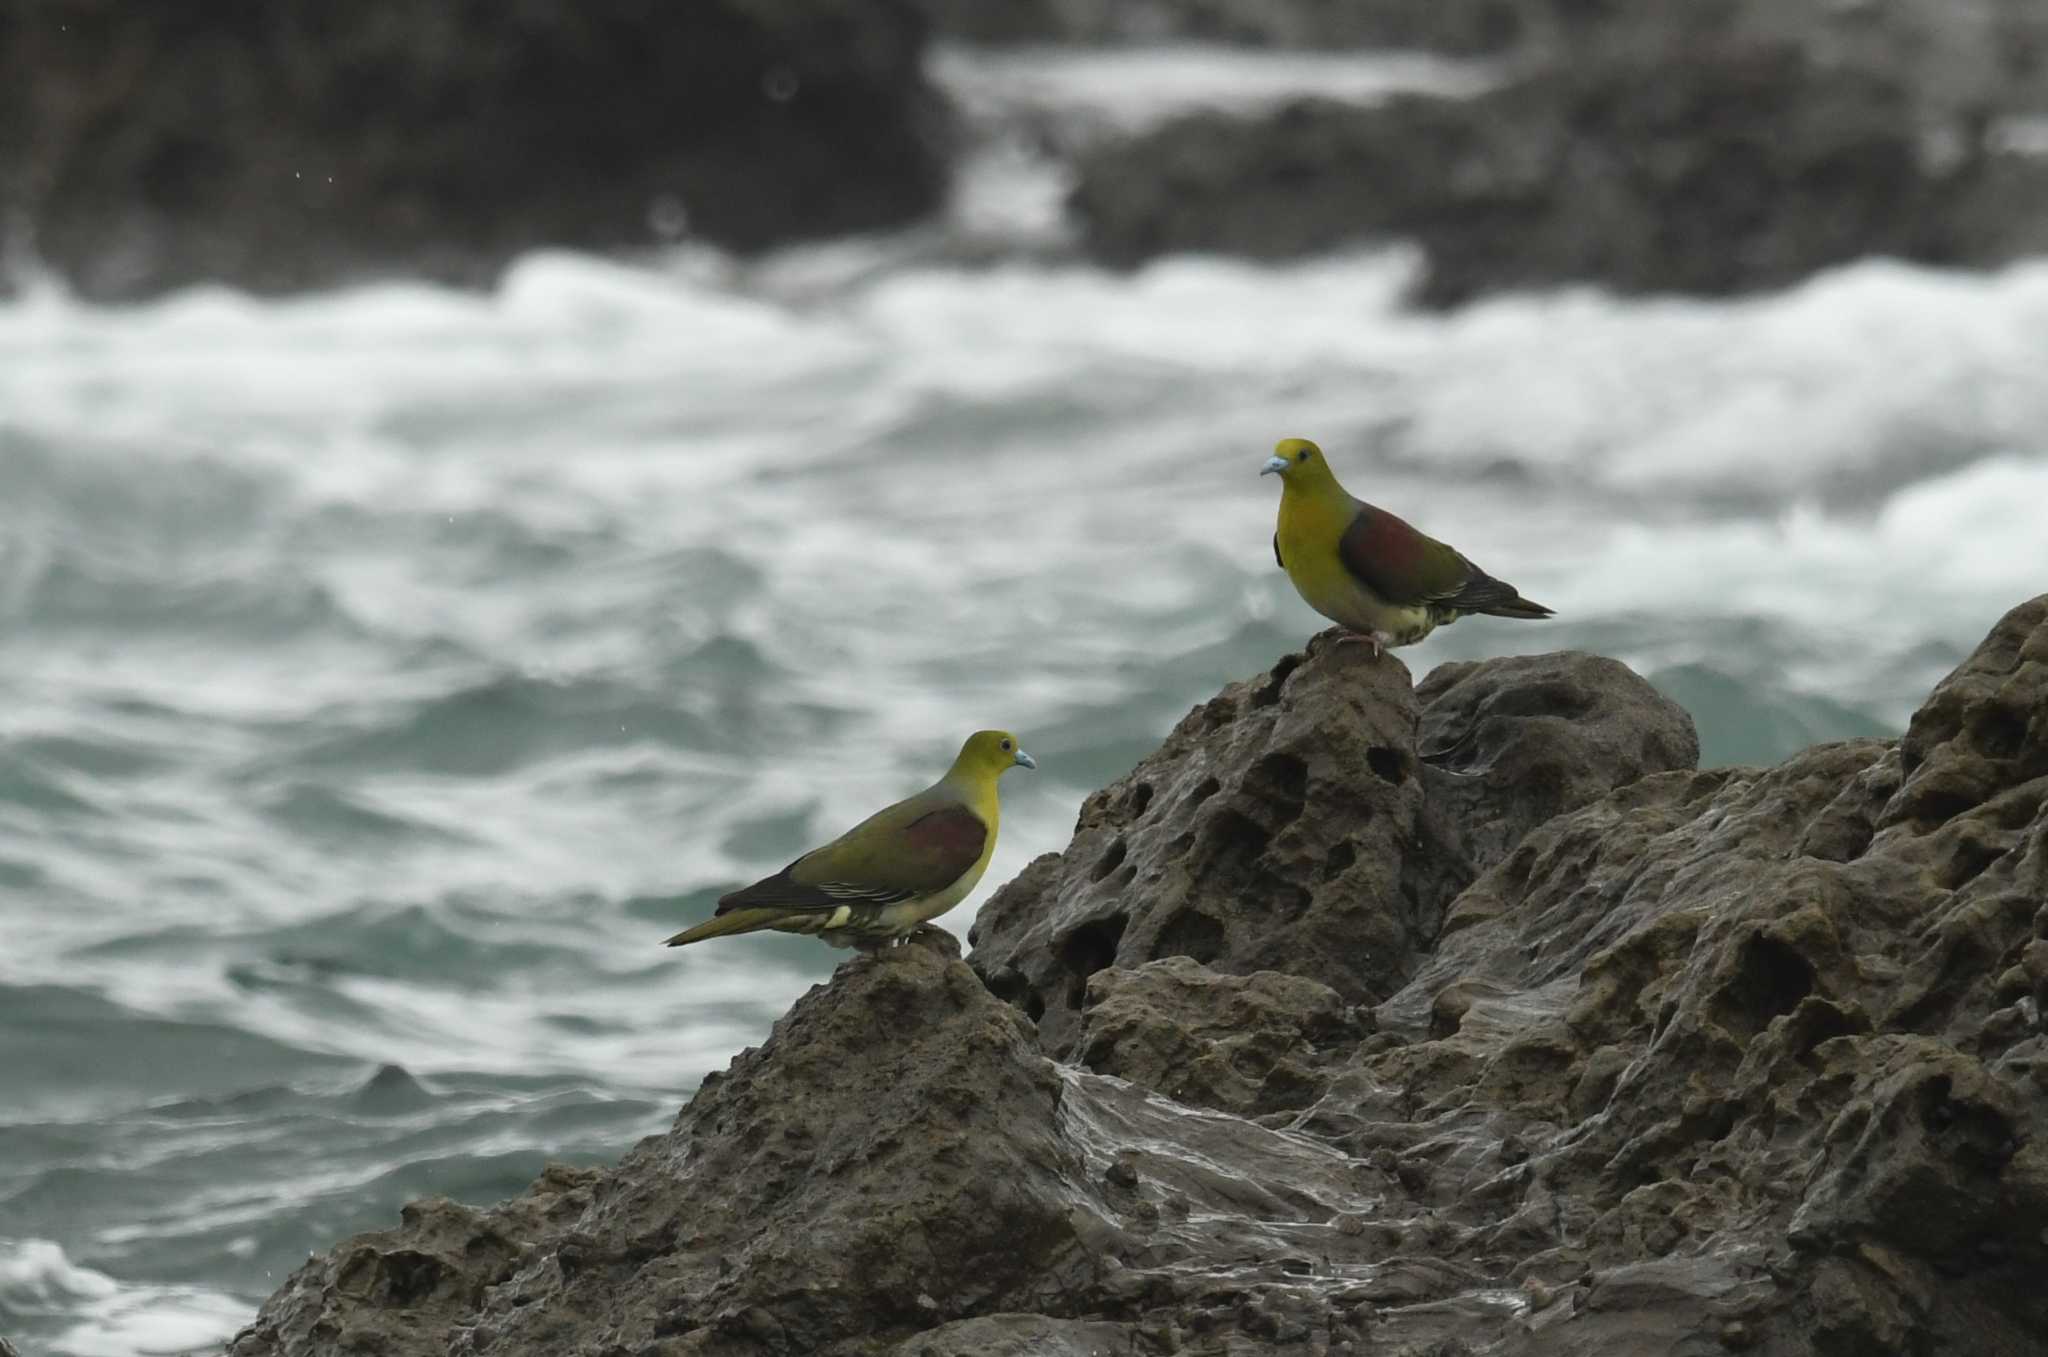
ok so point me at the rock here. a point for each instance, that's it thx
(839, 1183)
(1456, 27)
(406, 1290)
(1770, 997)
(1510, 744)
(1022, 1336)
(1310, 176)
(1204, 849)
(1712, 171)
(1738, 1060)
(293, 145)
(1695, 146)
(1956, 57)
(943, 1189)
(1246, 1044)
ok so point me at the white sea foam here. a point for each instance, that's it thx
(1131, 88)
(97, 1316)
(1028, 110)
(625, 583)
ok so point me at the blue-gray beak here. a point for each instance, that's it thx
(1273, 464)
(1026, 760)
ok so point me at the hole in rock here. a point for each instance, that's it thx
(1267, 693)
(1998, 732)
(1387, 764)
(1233, 838)
(1110, 861)
(1204, 789)
(1770, 978)
(1977, 1136)
(1190, 933)
(1137, 800)
(408, 1275)
(1340, 860)
(1087, 950)
(1282, 780)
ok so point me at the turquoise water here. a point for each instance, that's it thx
(383, 675)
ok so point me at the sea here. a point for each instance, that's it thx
(385, 672)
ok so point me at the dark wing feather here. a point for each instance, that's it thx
(783, 891)
(1484, 593)
(1276, 552)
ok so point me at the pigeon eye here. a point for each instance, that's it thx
(1301, 456)
(1006, 745)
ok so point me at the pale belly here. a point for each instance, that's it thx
(849, 926)
(1342, 599)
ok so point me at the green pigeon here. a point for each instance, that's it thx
(891, 873)
(1366, 569)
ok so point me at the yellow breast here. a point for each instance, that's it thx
(1309, 528)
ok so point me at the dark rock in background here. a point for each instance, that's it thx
(1712, 148)
(1452, 27)
(1700, 146)
(292, 145)
(1714, 170)
(1746, 1060)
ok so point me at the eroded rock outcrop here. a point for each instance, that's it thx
(1317, 820)
(1739, 1060)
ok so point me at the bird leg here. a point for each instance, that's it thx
(1376, 639)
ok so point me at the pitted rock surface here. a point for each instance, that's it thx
(1204, 849)
(1249, 1044)
(1747, 1060)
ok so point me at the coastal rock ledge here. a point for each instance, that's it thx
(1366, 1019)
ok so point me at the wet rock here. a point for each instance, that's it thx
(841, 1182)
(897, 1169)
(382, 1292)
(1248, 1044)
(291, 145)
(1025, 1336)
(1746, 1042)
(392, 1091)
(1205, 850)
(1739, 1060)
(1511, 743)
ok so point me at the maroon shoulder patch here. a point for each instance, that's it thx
(955, 834)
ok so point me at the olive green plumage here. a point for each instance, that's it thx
(1367, 569)
(890, 873)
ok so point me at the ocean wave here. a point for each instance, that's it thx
(387, 672)
(66, 1310)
